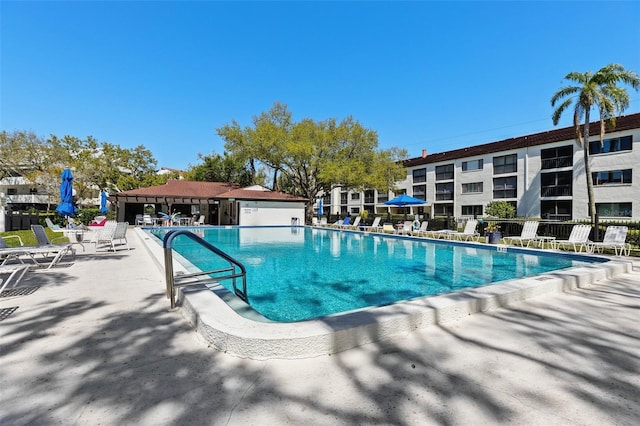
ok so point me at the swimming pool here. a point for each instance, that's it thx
(300, 273)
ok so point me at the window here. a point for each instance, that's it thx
(613, 209)
(326, 199)
(468, 166)
(355, 210)
(444, 172)
(12, 191)
(369, 196)
(419, 175)
(472, 210)
(383, 197)
(420, 192)
(505, 187)
(611, 145)
(343, 198)
(554, 158)
(475, 187)
(444, 191)
(612, 177)
(505, 164)
(33, 190)
(355, 196)
(556, 184)
(556, 210)
(443, 209)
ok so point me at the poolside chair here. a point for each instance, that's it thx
(341, 223)
(467, 233)
(578, 239)
(422, 231)
(529, 233)
(375, 226)
(614, 238)
(116, 236)
(406, 227)
(388, 228)
(200, 221)
(323, 221)
(52, 226)
(15, 272)
(47, 247)
(353, 225)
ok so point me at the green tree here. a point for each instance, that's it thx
(600, 91)
(501, 209)
(312, 157)
(221, 168)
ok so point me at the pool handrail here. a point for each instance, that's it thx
(183, 280)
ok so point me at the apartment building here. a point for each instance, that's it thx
(542, 175)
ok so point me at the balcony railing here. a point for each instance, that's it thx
(556, 191)
(27, 199)
(558, 162)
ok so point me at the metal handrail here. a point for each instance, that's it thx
(187, 279)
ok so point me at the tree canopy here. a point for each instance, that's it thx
(95, 165)
(222, 168)
(310, 157)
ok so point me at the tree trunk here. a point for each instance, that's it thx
(587, 169)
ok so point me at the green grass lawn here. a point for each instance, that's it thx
(28, 239)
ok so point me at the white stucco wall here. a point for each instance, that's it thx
(253, 213)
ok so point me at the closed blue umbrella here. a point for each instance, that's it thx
(103, 202)
(66, 207)
(320, 206)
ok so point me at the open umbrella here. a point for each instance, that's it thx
(103, 202)
(66, 207)
(405, 200)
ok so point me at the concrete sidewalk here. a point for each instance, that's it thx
(96, 343)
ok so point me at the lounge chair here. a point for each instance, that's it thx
(200, 221)
(47, 247)
(467, 233)
(115, 233)
(422, 231)
(14, 271)
(341, 223)
(388, 228)
(529, 233)
(52, 226)
(406, 227)
(353, 225)
(578, 239)
(323, 221)
(614, 238)
(374, 227)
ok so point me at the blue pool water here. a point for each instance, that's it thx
(299, 273)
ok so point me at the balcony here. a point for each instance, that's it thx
(556, 163)
(556, 191)
(27, 199)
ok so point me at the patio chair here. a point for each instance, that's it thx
(406, 227)
(52, 226)
(15, 272)
(353, 225)
(341, 223)
(422, 231)
(117, 237)
(578, 239)
(47, 247)
(467, 233)
(323, 221)
(614, 238)
(200, 221)
(375, 226)
(388, 228)
(529, 233)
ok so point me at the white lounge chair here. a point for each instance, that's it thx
(529, 233)
(15, 272)
(468, 232)
(614, 238)
(375, 226)
(578, 239)
(52, 226)
(422, 231)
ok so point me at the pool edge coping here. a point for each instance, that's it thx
(225, 330)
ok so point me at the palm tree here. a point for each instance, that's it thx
(599, 91)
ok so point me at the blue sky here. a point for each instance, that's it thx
(434, 75)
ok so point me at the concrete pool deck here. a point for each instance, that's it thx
(96, 343)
